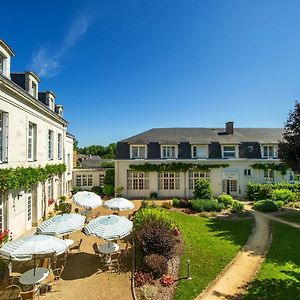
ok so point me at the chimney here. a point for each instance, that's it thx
(229, 127)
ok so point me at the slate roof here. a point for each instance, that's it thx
(207, 135)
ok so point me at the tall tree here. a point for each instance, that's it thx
(289, 147)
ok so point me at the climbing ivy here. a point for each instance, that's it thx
(20, 177)
(281, 167)
(175, 167)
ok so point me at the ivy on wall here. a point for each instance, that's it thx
(20, 177)
(281, 167)
(175, 167)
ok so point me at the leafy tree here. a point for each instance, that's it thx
(289, 147)
(75, 145)
(108, 152)
(202, 189)
(109, 177)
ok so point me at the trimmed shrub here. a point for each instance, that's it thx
(237, 206)
(176, 202)
(166, 205)
(156, 237)
(153, 195)
(109, 177)
(75, 190)
(202, 189)
(284, 195)
(97, 190)
(141, 278)
(279, 204)
(227, 200)
(156, 264)
(201, 205)
(265, 192)
(265, 206)
(152, 214)
(108, 190)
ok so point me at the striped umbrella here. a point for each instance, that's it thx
(110, 227)
(87, 200)
(62, 224)
(119, 204)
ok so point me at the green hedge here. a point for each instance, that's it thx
(265, 206)
(201, 205)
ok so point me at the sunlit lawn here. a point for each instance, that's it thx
(279, 276)
(210, 244)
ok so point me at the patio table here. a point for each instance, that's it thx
(28, 278)
(109, 248)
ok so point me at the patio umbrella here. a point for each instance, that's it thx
(29, 247)
(88, 200)
(62, 224)
(119, 204)
(110, 227)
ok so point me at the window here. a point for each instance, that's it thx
(59, 146)
(101, 180)
(90, 180)
(233, 185)
(31, 142)
(247, 172)
(29, 205)
(50, 145)
(137, 180)
(1, 213)
(229, 152)
(168, 181)
(78, 180)
(34, 89)
(50, 188)
(84, 180)
(269, 152)
(199, 151)
(269, 175)
(138, 151)
(69, 163)
(1, 64)
(3, 137)
(168, 152)
(194, 176)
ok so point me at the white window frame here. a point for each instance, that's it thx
(59, 146)
(195, 152)
(50, 188)
(89, 180)
(2, 59)
(194, 176)
(101, 180)
(268, 148)
(169, 181)
(247, 172)
(34, 89)
(169, 151)
(50, 144)
(31, 142)
(68, 163)
(139, 151)
(84, 180)
(1, 212)
(269, 175)
(3, 137)
(137, 180)
(78, 180)
(236, 155)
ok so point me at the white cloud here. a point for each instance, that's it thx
(48, 63)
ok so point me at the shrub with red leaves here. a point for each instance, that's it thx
(50, 201)
(141, 278)
(156, 264)
(5, 236)
(167, 280)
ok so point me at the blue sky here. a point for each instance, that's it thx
(122, 67)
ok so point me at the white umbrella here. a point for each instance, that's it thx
(110, 227)
(119, 204)
(62, 224)
(88, 200)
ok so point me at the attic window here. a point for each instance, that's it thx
(1, 64)
(34, 89)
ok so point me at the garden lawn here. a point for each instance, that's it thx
(279, 276)
(291, 217)
(210, 244)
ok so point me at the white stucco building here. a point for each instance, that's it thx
(33, 133)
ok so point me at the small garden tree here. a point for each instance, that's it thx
(203, 189)
(289, 147)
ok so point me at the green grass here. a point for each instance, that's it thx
(210, 244)
(291, 217)
(279, 276)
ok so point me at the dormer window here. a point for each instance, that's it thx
(169, 151)
(138, 151)
(229, 151)
(34, 89)
(199, 151)
(269, 151)
(1, 64)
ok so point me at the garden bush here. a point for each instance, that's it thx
(202, 189)
(141, 278)
(265, 206)
(237, 206)
(108, 189)
(156, 264)
(279, 203)
(265, 192)
(150, 214)
(201, 205)
(227, 200)
(153, 195)
(75, 190)
(97, 190)
(166, 205)
(284, 195)
(156, 237)
(176, 202)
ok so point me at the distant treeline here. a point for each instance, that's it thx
(107, 152)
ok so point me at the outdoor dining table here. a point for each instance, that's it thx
(32, 276)
(109, 248)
